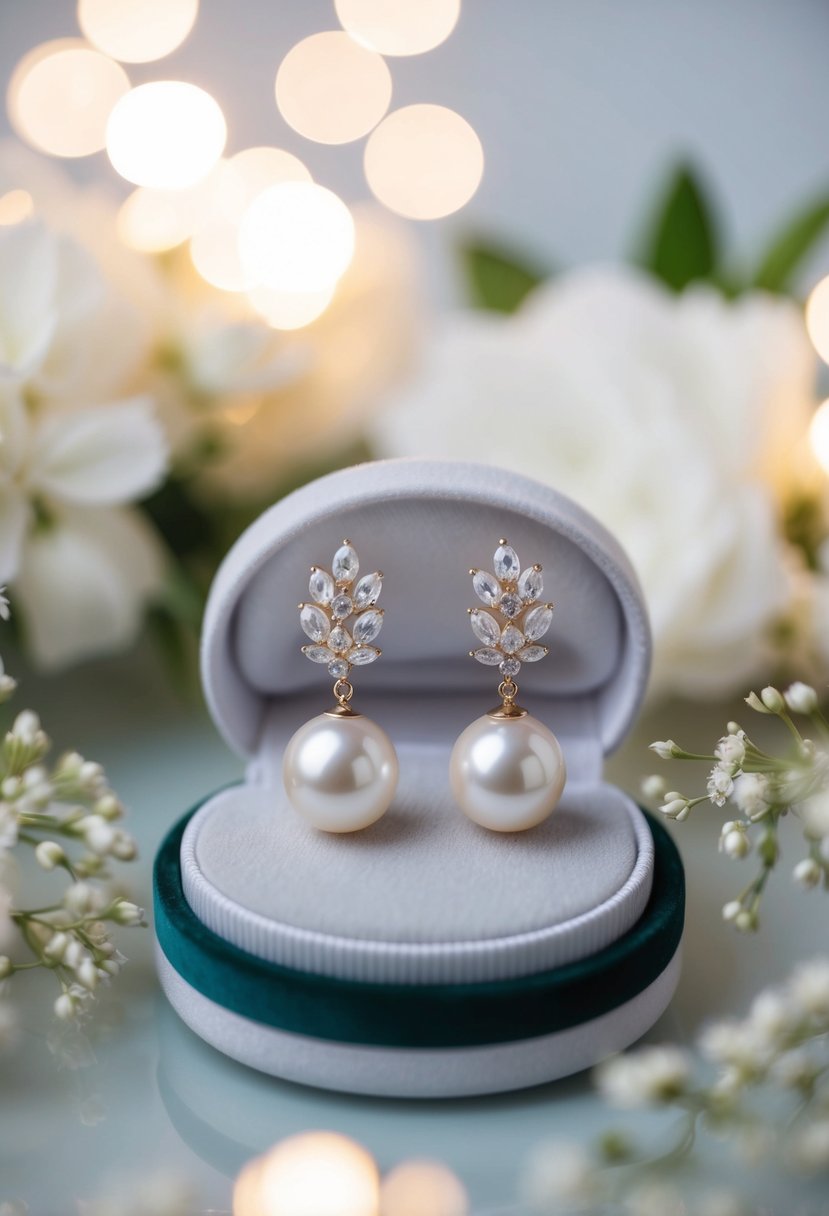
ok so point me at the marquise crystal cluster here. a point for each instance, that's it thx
(337, 597)
(510, 635)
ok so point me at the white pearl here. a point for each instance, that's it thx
(507, 774)
(340, 773)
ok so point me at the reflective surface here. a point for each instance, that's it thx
(140, 1094)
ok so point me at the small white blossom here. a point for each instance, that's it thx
(8, 826)
(773, 700)
(556, 1172)
(732, 910)
(49, 854)
(745, 921)
(801, 698)
(731, 750)
(675, 808)
(810, 1147)
(654, 787)
(6, 966)
(5, 610)
(815, 815)
(809, 988)
(651, 1075)
(720, 785)
(807, 873)
(796, 1069)
(126, 913)
(771, 1017)
(667, 750)
(736, 1045)
(66, 1007)
(751, 794)
(734, 840)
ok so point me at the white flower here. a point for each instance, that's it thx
(8, 826)
(734, 839)
(654, 787)
(772, 698)
(739, 1046)
(82, 564)
(651, 1075)
(675, 807)
(752, 794)
(809, 988)
(815, 815)
(665, 749)
(555, 1173)
(801, 698)
(732, 910)
(807, 873)
(731, 750)
(716, 394)
(720, 785)
(49, 854)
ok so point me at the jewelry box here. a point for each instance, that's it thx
(424, 956)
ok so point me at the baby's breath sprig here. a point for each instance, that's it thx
(69, 817)
(763, 787)
(759, 1085)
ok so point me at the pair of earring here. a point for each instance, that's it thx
(506, 771)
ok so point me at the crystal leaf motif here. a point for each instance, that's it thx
(361, 655)
(506, 564)
(320, 586)
(512, 640)
(339, 639)
(514, 596)
(314, 622)
(486, 587)
(530, 584)
(317, 654)
(346, 563)
(488, 656)
(367, 626)
(367, 592)
(537, 622)
(485, 627)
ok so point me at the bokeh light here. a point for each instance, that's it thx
(15, 207)
(817, 318)
(61, 95)
(424, 161)
(332, 90)
(399, 27)
(422, 1188)
(819, 436)
(296, 237)
(214, 248)
(289, 309)
(312, 1174)
(167, 135)
(137, 31)
(155, 220)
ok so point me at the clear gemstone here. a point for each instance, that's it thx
(485, 627)
(367, 626)
(506, 563)
(530, 585)
(367, 591)
(341, 607)
(339, 640)
(346, 564)
(314, 622)
(511, 605)
(537, 622)
(509, 668)
(531, 654)
(361, 655)
(512, 639)
(317, 654)
(338, 668)
(321, 586)
(488, 656)
(486, 587)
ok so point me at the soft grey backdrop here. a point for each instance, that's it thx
(580, 104)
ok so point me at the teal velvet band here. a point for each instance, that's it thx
(421, 1015)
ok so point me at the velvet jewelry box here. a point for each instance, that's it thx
(424, 956)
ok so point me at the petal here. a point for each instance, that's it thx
(109, 455)
(14, 431)
(15, 514)
(28, 279)
(83, 584)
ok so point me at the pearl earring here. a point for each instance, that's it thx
(340, 769)
(507, 770)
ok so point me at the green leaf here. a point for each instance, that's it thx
(498, 279)
(680, 246)
(790, 246)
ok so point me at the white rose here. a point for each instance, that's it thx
(669, 417)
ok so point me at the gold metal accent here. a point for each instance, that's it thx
(507, 691)
(343, 691)
(503, 541)
(342, 711)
